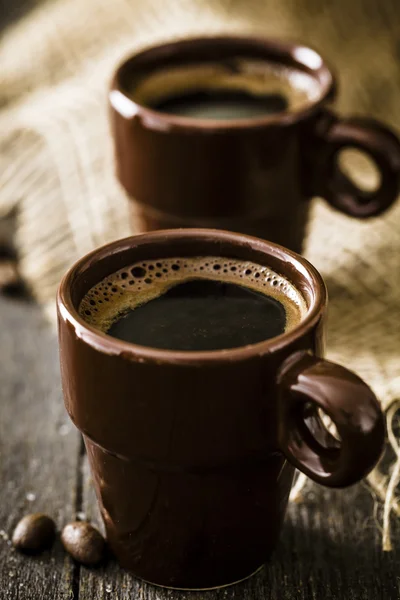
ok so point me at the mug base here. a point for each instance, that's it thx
(203, 589)
(277, 229)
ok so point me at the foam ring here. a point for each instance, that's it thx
(114, 296)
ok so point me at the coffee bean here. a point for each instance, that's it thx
(34, 533)
(83, 542)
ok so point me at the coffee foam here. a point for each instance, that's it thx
(257, 77)
(141, 282)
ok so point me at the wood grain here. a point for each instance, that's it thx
(38, 452)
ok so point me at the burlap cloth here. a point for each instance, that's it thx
(56, 59)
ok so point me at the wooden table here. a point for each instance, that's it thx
(329, 549)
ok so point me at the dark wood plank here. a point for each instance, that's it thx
(39, 450)
(330, 550)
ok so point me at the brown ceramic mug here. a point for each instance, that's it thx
(253, 175)
(193, 453)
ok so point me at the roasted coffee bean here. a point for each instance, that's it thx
(83, 542)
(34, 533)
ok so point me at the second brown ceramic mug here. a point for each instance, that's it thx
(253, 175)
(193, 453)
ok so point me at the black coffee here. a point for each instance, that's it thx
(203, 315)
(212, 104)
(236, 88)
(194, 304)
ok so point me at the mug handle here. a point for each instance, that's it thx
(367, 135)
(308, 381)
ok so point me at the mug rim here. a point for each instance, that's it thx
(107, 344)
(299, 54)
